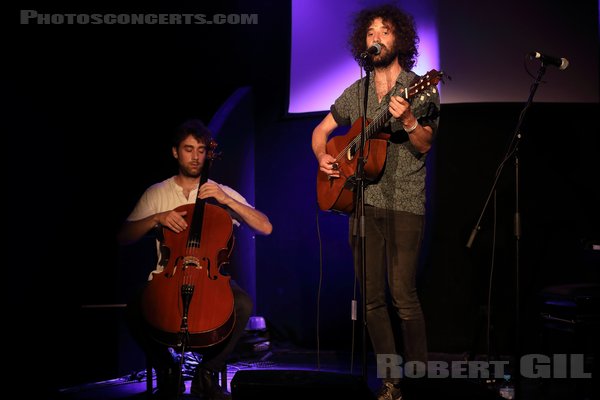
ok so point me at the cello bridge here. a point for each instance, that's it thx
(191, 261)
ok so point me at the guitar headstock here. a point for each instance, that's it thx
(429, 80)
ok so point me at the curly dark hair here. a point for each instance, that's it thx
(403, 25)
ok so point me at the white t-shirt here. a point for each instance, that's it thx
(166, 196)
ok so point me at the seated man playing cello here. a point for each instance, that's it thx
(187, 259)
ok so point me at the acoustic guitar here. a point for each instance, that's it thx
(337, 194)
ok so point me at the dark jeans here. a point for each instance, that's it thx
(213, 358)
(393, 242)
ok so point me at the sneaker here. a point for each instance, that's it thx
(205, 384)
(389, 391)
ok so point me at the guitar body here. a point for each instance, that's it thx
(337, 194)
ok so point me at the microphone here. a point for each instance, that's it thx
(374, 50)
(561, 63)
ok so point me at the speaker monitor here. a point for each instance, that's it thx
(297, 384)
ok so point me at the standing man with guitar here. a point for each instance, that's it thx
(395, 198)
(159, 208)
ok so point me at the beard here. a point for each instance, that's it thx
(386, 57)
(190, 172)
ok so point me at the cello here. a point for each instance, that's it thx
(190, 303)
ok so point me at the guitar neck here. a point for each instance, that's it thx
(382, 118)
(378, 122)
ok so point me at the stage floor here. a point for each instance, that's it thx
(307, 374)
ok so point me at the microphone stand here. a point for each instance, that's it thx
(513, 150)
(359, 210)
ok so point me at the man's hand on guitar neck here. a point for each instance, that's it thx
(329, 165)
(400, 109)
